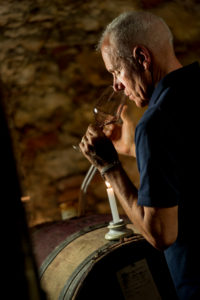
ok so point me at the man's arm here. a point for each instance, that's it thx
(159, 226)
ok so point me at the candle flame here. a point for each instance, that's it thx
(107, 184)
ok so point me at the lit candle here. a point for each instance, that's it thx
(112, 201)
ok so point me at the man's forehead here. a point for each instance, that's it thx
(106, 42)
(106, 47)
(109, 56)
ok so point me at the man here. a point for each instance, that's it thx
(137, 50)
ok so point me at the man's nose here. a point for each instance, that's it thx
(117, 85)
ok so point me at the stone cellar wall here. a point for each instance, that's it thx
(51, 76)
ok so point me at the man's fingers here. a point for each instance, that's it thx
(109, 126)
(86, 145)
(88, 139)
(108, 129)
(92, 130)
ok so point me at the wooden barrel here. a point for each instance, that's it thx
(85, 266)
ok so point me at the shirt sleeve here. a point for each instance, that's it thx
(159, 183)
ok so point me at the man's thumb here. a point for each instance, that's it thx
(124, 113)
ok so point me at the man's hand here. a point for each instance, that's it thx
(97, 148)
(122, 135)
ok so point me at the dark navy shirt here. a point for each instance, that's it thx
(168, 155)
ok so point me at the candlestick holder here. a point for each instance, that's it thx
(117, 231)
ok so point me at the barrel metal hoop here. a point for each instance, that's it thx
(66, 242)
(80, 273)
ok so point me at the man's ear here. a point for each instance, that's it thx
(142, 56)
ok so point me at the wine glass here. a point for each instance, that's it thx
(108, 108)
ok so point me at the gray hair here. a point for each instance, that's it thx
(137, 27)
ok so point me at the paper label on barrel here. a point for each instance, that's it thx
(137, 282)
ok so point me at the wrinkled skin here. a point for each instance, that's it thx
(98, 148)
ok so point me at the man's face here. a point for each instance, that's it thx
(136, 83)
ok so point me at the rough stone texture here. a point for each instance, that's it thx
(52, 74)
